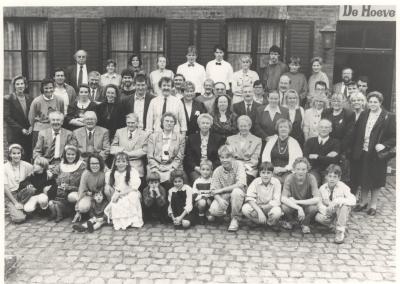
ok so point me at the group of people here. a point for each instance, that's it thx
(194, 146)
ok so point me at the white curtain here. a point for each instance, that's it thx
(239, 40)
(122, 37)
(12, 53)
(269, 34)
(151, 44)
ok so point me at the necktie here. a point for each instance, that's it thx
(331, 195)
(130, 135)
(191, 64)
(345, 91)
(248, 109)
(90, 135)
(164, 108)
(92, 96)
(217, 63)
(53, 146)
(80, 75)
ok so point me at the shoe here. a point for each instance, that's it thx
(90, 226)
(53, 212)
(210, 218)
(59, 215)
(202, 220)
(234, 225)
(339, 237)
(286, 225)
(359, 208)
(305, 229)
(78, 228)
(371, 211)
(275, 228)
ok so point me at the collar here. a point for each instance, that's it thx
(68, 168)
(246, 103)
(88, 131)
(54, 133)
(111, 76)
(267, 108)
(204, 136)
(139, 98)
(165, 136)
(191, 64)
(46, 99)
(133, 132)
(323, 140)
(78, 65)
(82, 106)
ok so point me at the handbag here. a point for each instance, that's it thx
(387, 153)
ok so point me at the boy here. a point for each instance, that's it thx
(336, 203)
(263, 198)
(192, 70)
(298, 81)
(202, 186)
(228, 185)
(220, 70)
(155, 199)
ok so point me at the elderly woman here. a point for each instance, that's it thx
(357, 103)
(165, 150)
(208, 97)
(296, 115)
(224, 118)
(76, 110)
(16, 109)
(312, 116)
(246, 147)
(132, 141)
(108, 112)
(177, 90)
(243, 77)
(192, 107)
(317, 75)
(282, 150)
(375, 134)
(201, 146)
(110, 77)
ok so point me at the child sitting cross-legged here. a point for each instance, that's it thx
(202, 186)
(155, 201)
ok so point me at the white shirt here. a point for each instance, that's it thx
(155, 77)
(84, 74)
(220, 73)
(195, 74)
(241, 79)
(322, 141)
(57, 150)
(138, 108)
(272, 112)
(90, 131)
(62, 94)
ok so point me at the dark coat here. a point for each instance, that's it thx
(127, 106)
(191, 119)
(322, 162)
(108, 118)
(263, 126)
(240, 109)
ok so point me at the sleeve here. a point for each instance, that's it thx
(276, 198)
(70, 113)
(306, 125)
(189, 162)
(331, 160)
(105, 151)
(38, 150)
(177, 162)
(256, 154)
(152, 162)
(8, 118)
(208, 70)
(230, 74)
(147, 200)
(314, 186)
(215, 182)
(195, 190)
(346, 142)
(189, 199)
(349, 198)
(294, 152)
(324, 196)
(182, 117)
(390, 132)
(83, 186)
(257, 125)
(162, 199)
(235, 88)
(251, 193)
(115, 144)
(266, 156)
(32, 113)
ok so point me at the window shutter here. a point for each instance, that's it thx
(300, 42)
(90, 39)
(209, 34)
(179, 37)
(61, 42)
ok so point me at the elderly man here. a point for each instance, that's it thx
(271, 73)
(77, 74)
(208, 97)
(92, 138)
(248, 106)
(96, 91)
(51, 141)
(342, 87)
(283, 86)
(62, 90)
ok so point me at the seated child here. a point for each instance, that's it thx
(336, 202)
(97, 218)
(263, 198)
(155, 201)
(180, 201)
(202, 186)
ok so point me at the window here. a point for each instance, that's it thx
(252, 38)
(145, 38)
(25, 52)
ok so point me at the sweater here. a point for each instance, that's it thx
(40, 109)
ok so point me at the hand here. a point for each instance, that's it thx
(300, 214)
(46, 189)
(25, 131)
(313, 156)
(221, 201)
(156, 191)
(379, 147)
(262, 219)
(115, 198)
(19, 206)
(332, 154)
(197, 169)
(331, 208)
(30, 130)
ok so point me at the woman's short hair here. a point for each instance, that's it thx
(153, 176)
(14, 146)
(294, 60)
(258, 83)
(45, 82)
(166, 80)
(319, 97)
(266, 166)
(42, 162)
(245, 118)
(132, 115)
(375, 94)
(334, 169)
(131, 58)
(292, 92)
(111, 61)
(86, 86)
(112, 86)
(282, 121)
(359, 95)
(70, 147)
(225, 150)
(338, 95)
(167, 114)
(209, 80)
(205, 116)
(215, 107)
(96, 156)
(188, 85)
(246, 57)
(300, 160)
(16, 78)
(316, 58)
(177, 174)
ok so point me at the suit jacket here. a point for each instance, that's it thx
(191, 118)
(136, 148)
(71, 75)
(15, 117)
(45, 140)
(240, 109)
(101, 141)
(312, 146)
(263, 125)
(127, 106)
(193, 150)
(100, 95)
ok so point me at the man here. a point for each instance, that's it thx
(77, 74)
(92, 138)
(127, 85)
(177, 90)
(62, 90)
(193, 71)
(322, 150)
(283, 86)
(341, 87)
(165, 103)
(219, 89)
(243, 77)
(298, 80)
(362, 84)
(248, 106)
(137, 103)
(228, 186)
(96, 91)
(218, 69)
(51, 141)
(208, 97)
(320, 88)
(271, 73)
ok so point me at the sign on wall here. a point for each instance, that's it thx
(367, 13)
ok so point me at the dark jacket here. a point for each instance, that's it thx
(240, 109)
(263, 126)
(312, 146)
(71, 75)
(127, 106)
(191, 118)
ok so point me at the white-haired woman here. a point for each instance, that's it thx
(296, 115)
(312, 116)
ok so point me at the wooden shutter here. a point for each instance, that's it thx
(209, 34)
(90, 39)
(61, 42)
(300, 42)
(179, 37)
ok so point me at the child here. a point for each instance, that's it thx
(123, 180)
(155, 199)
(180, 201)
(96, 213)
(202, 186)
(263, 198)
(336, 202)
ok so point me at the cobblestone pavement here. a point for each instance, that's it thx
(50, 253)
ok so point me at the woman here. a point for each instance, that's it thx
(135, 64)
(208, 97)
(282, 150)
(107, 111)
(343, 121)
(224, 119)
(165, 150)
(246, 147)
(92, 181)
(375, 131)
(161, 72)
(260, 96)
(243, 77)
(267, 116)
(68, 175)
(192, 107)
(317, 75)
(357, 102)
(76, 110)
(296, 115)
(313, 115)
(110, 77)
(16, 110)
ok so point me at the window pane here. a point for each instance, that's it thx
(37, 65)
(234, 59)
(7, 87)
(122, 60)
(349, 35)
(239, 37)
(262, 60)
(149, 61)
(380, 35)
(152, 37)
(268, 34)
(12, 36)
(36, 34)
(34, 89)
(122, 36)
(12, 64)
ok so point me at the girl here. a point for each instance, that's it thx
(123, 181)
(180, 201)
(201, 186)
(155, 199)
